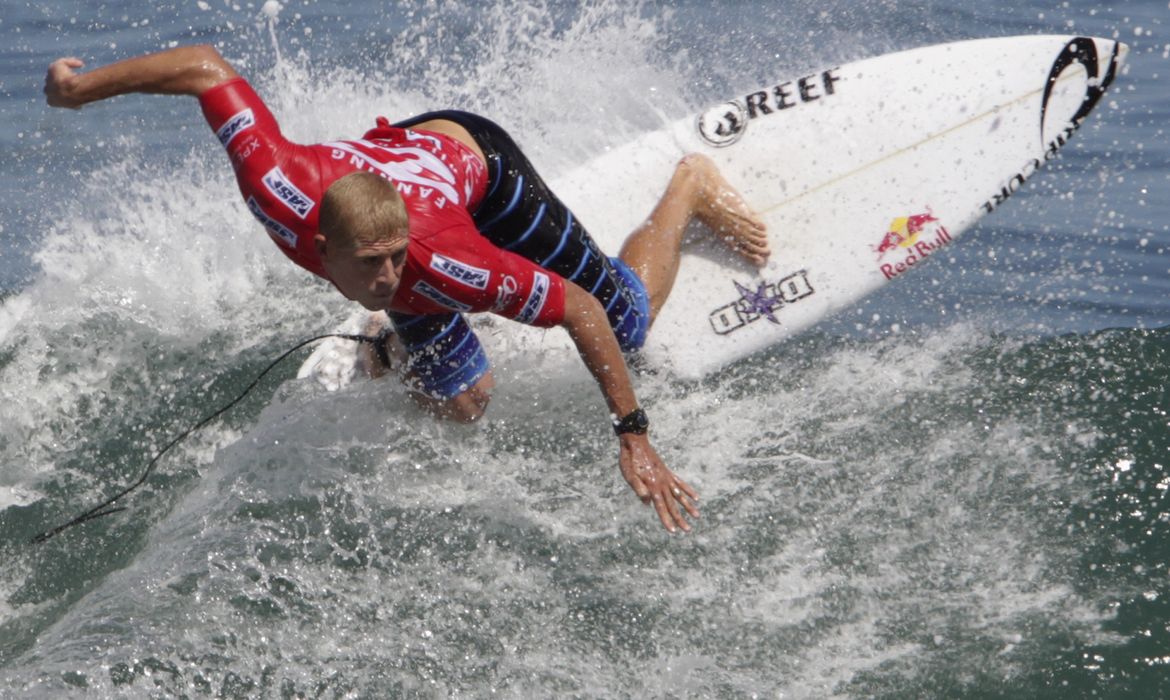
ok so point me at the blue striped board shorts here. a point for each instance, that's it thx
(520, 214)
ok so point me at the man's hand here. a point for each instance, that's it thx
(655, 484)
(642, 468)
(60, 82)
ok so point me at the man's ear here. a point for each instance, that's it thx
(319, 244)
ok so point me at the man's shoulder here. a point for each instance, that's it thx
(455, 252)
(441, 234)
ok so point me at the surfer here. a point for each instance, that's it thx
(442, 215)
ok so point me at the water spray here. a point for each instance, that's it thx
(107, 507)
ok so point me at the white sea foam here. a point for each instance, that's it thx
(433, 547)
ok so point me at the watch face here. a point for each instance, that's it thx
(636, 422)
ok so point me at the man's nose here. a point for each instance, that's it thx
(387, 276)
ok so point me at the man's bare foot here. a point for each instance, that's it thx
(723, 210)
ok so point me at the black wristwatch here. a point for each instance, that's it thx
(635, 422)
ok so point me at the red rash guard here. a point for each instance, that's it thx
(449, 265)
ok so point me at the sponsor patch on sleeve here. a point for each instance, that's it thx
(278, 230)
(438, 297)
(460, 272)
(240, 122)
(282, 188)
(536, 299)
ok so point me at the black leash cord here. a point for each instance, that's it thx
(103, 508)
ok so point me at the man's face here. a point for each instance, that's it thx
(369, 274)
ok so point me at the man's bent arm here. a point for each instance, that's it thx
(187, 70)
(589, 328)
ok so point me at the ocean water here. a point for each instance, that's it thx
(956, 489)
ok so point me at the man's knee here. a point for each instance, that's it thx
(469, 406)
(466, 407)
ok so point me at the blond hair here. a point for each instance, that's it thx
(362, 208)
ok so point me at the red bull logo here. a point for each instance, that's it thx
(912, 239)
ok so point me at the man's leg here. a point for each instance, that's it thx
(465, 407)
(447, 371)
(696, 191)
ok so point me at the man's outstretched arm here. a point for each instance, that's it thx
(187, 70)
(645, 472)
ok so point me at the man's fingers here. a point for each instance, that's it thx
(655, 485)
(686, 502)
(65, 65)
(760, 246)
(686, 488)
(666, 504)
(664, 514)
(676, 516)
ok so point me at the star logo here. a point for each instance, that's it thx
(759, 302)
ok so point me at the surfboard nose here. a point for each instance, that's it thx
(1081, 72)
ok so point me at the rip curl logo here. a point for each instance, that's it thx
(436, 144)
(410, 168)
(283, 189)
(238, 123)
(763, 301)
(506, 293)
(536, 298)
(1082, 50)
(438, 297)
(276, 229)
(460, 272)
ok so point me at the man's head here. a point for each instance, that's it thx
(363, 237)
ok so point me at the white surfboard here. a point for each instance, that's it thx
(861, 171)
